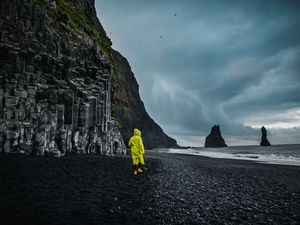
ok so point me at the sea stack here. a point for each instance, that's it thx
(215, 139)
(264, 140)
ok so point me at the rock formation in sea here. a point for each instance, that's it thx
(215, 139)
(264, 140)
(63, 89)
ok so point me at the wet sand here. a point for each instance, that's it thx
(176, 189)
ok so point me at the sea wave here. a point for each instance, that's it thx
(261, 158)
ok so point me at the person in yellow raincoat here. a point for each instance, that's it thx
(137, 151)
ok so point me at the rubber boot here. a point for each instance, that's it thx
(135, 170)
(140, 168)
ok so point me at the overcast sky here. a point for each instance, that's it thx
(200, 63)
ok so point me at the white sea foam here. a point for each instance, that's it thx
(226, 153)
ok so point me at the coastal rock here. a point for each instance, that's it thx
(129, 109)
(55, 80)
(215, 139)
(63, 89)
(264, 140)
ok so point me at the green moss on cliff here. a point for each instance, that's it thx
(67, 13)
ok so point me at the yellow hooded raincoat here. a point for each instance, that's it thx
(137, 147)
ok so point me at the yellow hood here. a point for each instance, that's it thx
(137, 132)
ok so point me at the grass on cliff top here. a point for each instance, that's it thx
(68, 13)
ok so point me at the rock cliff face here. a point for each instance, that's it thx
(215, 139)
(57, 70)
(264, 140)
(129, 110)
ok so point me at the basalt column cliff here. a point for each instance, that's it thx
(58, 80)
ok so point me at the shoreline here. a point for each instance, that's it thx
(265, 155)
(175, 189)
(242, 159)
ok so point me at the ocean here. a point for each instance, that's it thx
(277, 154)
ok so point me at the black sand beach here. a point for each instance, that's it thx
(176, 189)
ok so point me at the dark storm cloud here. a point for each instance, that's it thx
(204, 62)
